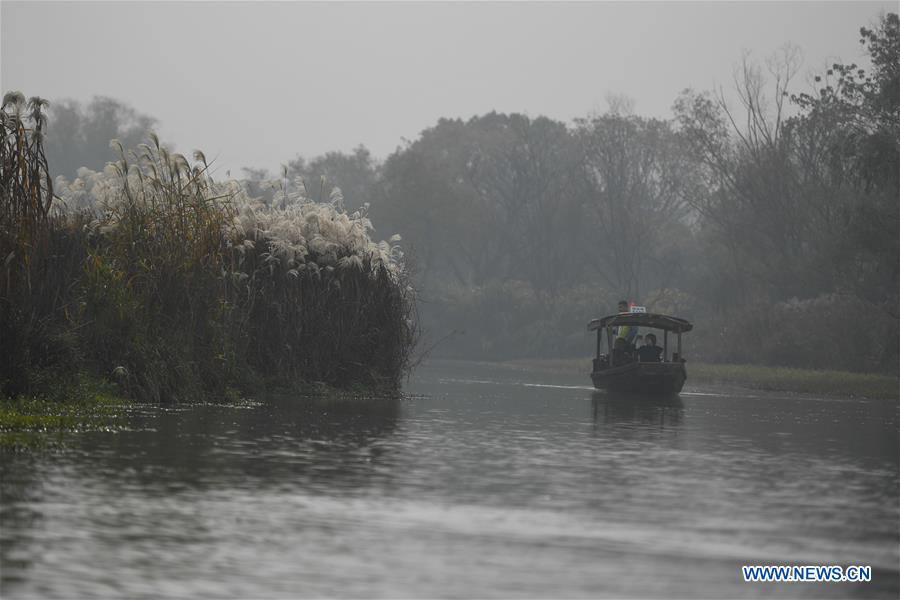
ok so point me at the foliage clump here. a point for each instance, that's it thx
(177, 286)
(309, 276)
(39, 254)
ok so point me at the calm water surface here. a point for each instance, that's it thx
(482, 481)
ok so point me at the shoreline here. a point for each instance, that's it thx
(756, 377)
(92, 404)
(37, 420)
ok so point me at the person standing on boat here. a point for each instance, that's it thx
(626, 332)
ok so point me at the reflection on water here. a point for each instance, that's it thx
(660, 411)
(308, 442)
(481, 481)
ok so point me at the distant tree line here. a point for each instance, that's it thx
(775, 224)
(79, 135)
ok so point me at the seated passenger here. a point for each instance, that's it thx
(649, 352)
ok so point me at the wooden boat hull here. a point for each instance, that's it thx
(638, 377)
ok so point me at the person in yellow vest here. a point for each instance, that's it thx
(626, 332)
(623, 342)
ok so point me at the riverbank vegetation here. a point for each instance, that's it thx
(54, 407)
(766, 214)
(174, 286)
(822, 382)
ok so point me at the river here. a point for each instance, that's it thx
(481, 481)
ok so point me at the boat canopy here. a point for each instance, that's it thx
(652, 320)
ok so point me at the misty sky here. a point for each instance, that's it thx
(255, 84)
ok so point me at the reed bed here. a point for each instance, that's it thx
(178, 287)
(40, 255)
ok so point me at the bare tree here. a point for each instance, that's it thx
(634, 189)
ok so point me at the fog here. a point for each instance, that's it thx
(731, 163)
(256, 84)
(296, 299)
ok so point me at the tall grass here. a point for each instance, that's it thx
(151, 278)
(178, 286)
(312, 296)
(39, 255)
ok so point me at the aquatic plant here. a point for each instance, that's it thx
(175, 286)
(39, 254)
(190, 283)
(314, 295)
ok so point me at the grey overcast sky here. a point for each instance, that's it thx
(257, 84)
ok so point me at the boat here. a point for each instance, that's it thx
(619, 370)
